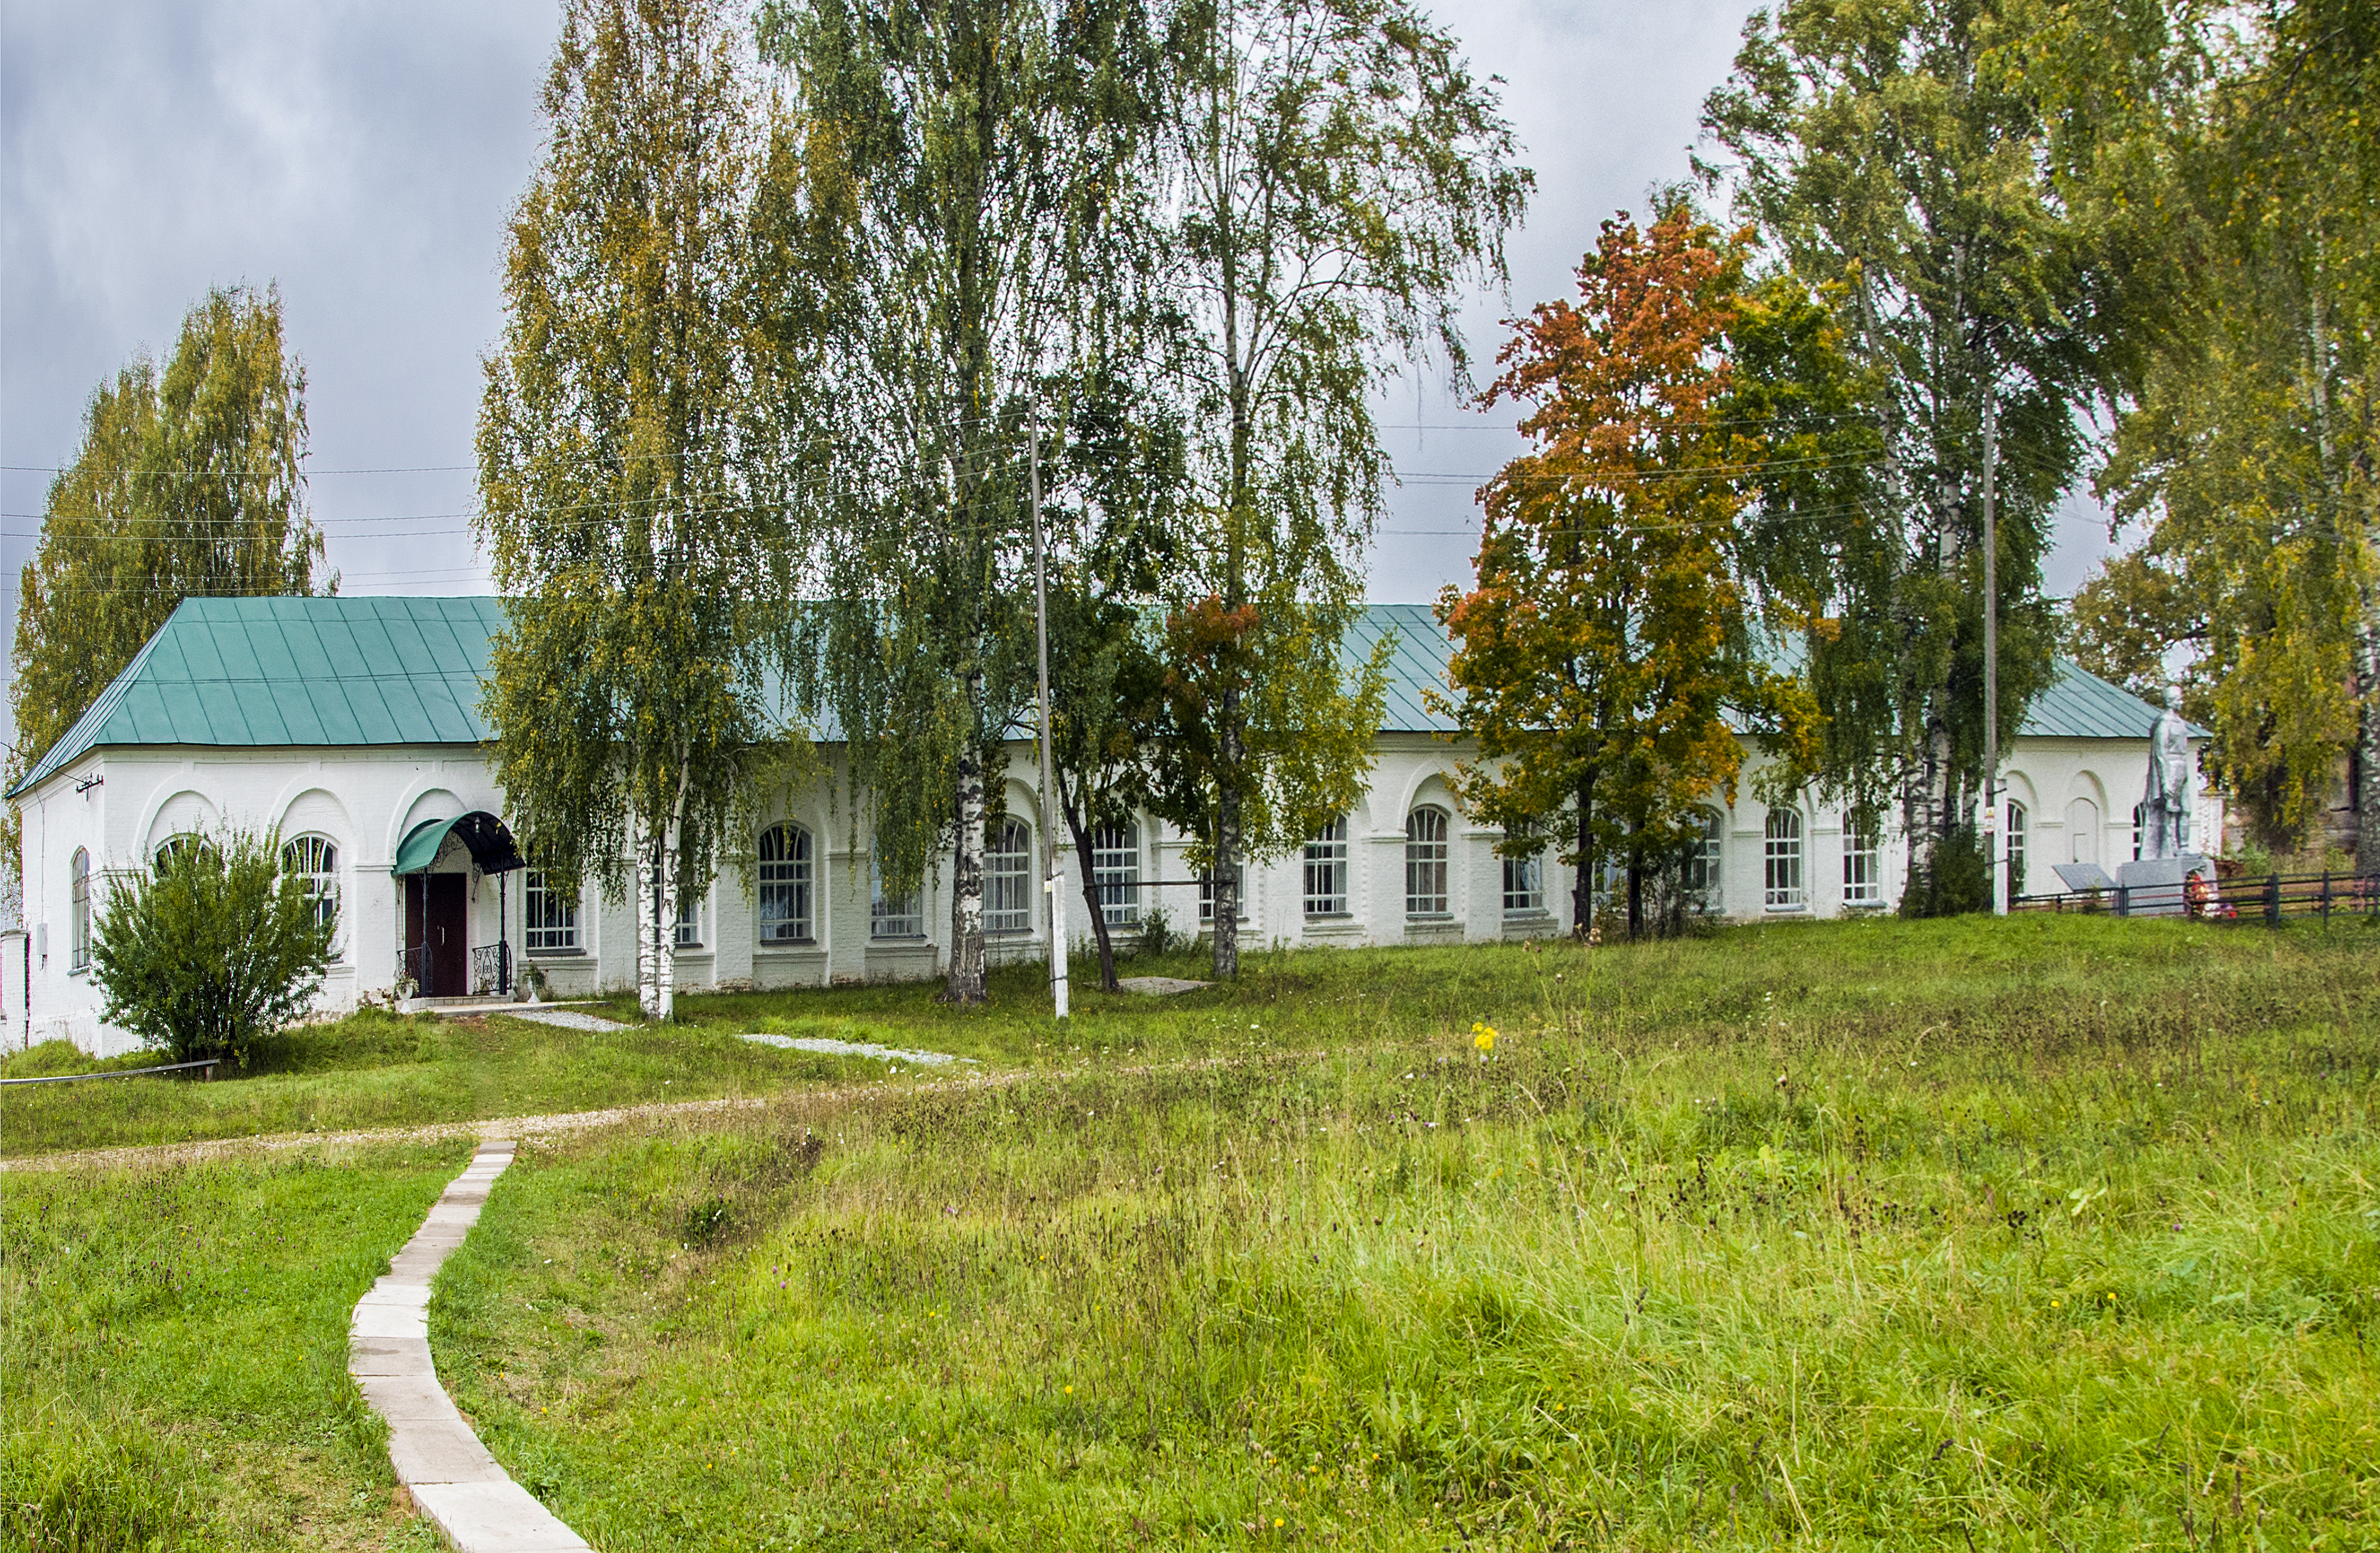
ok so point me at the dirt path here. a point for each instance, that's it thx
(555, 1123)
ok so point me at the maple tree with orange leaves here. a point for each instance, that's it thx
(1608, 636)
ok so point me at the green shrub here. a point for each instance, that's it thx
(210, 948)
(1959, 881)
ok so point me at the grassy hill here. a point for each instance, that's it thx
(2051, 1232)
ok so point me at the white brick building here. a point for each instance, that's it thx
(352, 726)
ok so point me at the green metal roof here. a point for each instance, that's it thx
(281, 670)
(2078, 704)
(406, 670)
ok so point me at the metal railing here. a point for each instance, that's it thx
(2272, 899)
(491, 969)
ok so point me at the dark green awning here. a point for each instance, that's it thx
(490, 843)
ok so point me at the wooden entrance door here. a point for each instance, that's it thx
(437, 935)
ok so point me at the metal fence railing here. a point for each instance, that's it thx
(2272, 899)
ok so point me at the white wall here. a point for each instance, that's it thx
(365, 800)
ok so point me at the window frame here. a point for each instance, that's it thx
(1702, 874)
(549, 916)
(1529, 898)
(688, 934)
(1428, 862)
(1207, 895)
(1008, 870)
(322, 879)
(1115, 873)
(1325, 863)
(787, 881)
(893, 919)
(2015, 842)
(79, 912)
(1863, 857)
(1782, 887)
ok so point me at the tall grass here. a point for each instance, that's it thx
(173, 1353)
(1872, 1237)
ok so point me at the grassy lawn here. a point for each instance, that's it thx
(2055, 1234)
(377, 1070)
(173, 1353)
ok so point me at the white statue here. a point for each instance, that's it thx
(2165, 805)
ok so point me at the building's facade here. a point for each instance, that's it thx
(351, 727)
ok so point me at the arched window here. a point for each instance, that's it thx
(1115, 871)
(173, 847)
(1702, 874)
(2136, 833)
(1426, 894)
(313, 861)
(1524, 884)
(78, 947)
(1008, 880)
(1326, 871)
(2017, 823)
(892, 916)
(784, 885)
(1781, 862)
(1862, 866)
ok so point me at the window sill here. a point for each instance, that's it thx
(1429, 917)
(1801, 910)
(1330, 917)
(785, 946)
(904, 941)
(556, 953)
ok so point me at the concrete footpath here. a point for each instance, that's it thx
(453, 1480)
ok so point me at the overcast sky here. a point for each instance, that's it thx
(365, 158)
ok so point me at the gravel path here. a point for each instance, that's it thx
(853, 1049)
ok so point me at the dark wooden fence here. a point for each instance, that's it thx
(2272, 899)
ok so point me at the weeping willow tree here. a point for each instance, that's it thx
(625, 495)
(946, 184)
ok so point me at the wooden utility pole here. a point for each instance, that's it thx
(1052, 884)
(1992, 859)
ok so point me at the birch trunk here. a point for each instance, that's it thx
(647, 911)
(964, 983)
(2367, 758)
(1227, 847)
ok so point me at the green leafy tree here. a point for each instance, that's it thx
(624, 471)
(946, 201)
(1117, 535)
(1342, 179)
(1609, 636)
(190, 481)
(2250, 455)
(1933, 170)
(210, 948)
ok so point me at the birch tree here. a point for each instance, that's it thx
(620, 479)
(1341, 181)
(952, 173)
(2251, 457)
(1926, 164)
